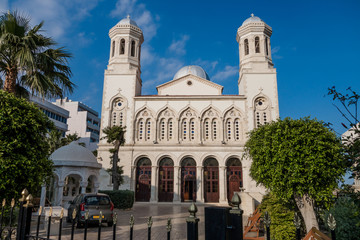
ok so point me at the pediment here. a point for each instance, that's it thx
(190, 85)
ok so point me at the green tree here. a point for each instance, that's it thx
(55, 140)
(28, 59)
(297, 159)
(347, 105)
(115, 136)
(24, 150)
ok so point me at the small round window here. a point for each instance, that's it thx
(189, 83)
(118, 103)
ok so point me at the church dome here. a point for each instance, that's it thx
(127, 21)
(252, 19)
(192, 69)
(74, 155)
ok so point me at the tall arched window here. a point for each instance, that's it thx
(162, 129)
(165, 125)
(207, 129)
(188, 125)
(228, 129)
(214, 129)
(266, 46)
(233, 126)
(257, 45)
(122, 46)
(185, 131)
(170, 132)
(133, 48)
(113, 49)
(237, 129)
(246, 46)
(141, 130)
(118, 112)
(148, 130)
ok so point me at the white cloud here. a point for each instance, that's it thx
(4, 6)
(275, 53)
(141, 15)
(59, 15)
(228, 71)
(178, 47)
(206, 65)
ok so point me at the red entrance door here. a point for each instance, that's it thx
(166, 184)
(211, 176)
(143, 184)
(188, 183)
(234, 181)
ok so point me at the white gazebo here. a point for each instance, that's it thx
(76, 171)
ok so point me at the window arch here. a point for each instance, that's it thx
(233, 126)
(133, 48)
(144, 126)
(165, 125)
(118, 112)
(113, 49)
(188, 125)
(210, 125)
(257, 45)
(246, 46)
(122, 46)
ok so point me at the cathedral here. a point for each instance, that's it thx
(187, 142)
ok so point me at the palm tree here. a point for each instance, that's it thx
(28, 59)
(115, 136)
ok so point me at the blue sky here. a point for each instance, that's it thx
(315, 44)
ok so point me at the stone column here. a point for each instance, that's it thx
(83, 185)
(177, 185)
(154, 184)
(60, 190)
(133, 178)
(43, 195)
(199, 184)
(222, 184)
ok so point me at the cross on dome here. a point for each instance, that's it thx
(252, 15)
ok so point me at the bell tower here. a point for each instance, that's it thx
(122, 82)
(257, 75)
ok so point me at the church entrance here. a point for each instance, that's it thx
(166, 180)
(143, 180)
(234, 177)
(188, 180)
(211, 180)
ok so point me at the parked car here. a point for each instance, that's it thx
(92, 203)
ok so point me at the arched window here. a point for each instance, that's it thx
(121, 119)
(214, 129)
(237, 129)
(246, 46)
(162, 129)
(228, 129)
(192, 133)
(170, 132)
(118, 112)
(264, 118)
(233, 127)
(133, 48)
(184, 130)
(261, 111)
(266, 46)
(114, 119)
(206, 129)
(257, 45)
(113, 49)
(148, 130)
(122, 46)
(141, 130)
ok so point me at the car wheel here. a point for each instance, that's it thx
(110, 224)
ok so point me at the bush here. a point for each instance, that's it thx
(122, 199)
(282, 217)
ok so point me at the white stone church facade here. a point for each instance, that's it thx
(186, 143)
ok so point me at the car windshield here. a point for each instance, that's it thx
(97, 200)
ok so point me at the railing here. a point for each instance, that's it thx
(233, 225)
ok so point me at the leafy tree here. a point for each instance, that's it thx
(115, 136)
(24, 150)
(349, 110)
(282, 217)
(297, 159)
(28, 59)
(347, 215)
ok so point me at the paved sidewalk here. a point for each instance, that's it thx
(160, 212)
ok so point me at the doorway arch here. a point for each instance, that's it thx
(166, 180)
(188, 179)
(143, 180)
(233, 177)
(211, 180)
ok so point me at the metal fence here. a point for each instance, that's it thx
(231, 225)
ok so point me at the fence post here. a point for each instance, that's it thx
(100, 224)
(192, 223)
(236, 214)
(267, 222)
(28, 207)
(168, 228)
(297, 223)
(21, 230)
(332, 225)
(86, 224)
(114, 225)
(149, 223)
(132, 221)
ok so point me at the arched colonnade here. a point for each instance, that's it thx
(165, 181)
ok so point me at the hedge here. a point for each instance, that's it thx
(122, 199)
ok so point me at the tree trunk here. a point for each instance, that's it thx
(114, 168)
(10, 80)
(306, 207)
